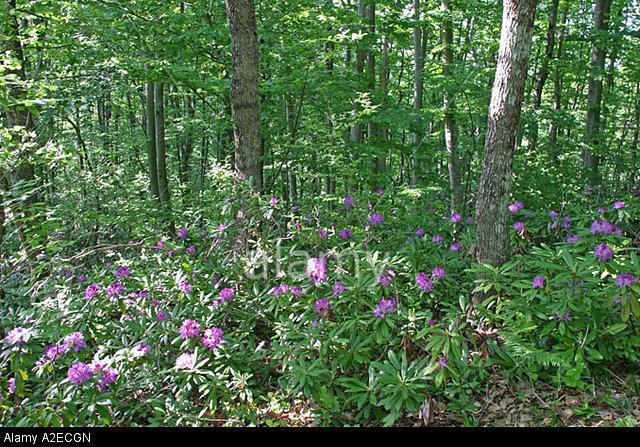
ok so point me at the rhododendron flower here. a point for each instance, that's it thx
(385, 307)
(91, 291)
(438, 239)
(81, 278)
(384, 280)
(424, 282)
(279, 290)
(74, 341)
(186, 361)
(349, 201)
(182, 233)
(161, 316)
(456, 246)
(212, 338)
(191, 250)
(375, 219)
(573, 238)
(438, 273)
(17, 336)
(189, 329)
(379, 191)
(515, 206)
(566, 222)
(140, 350)
(338, 288)
(79, 373)
(53, 351)
(455, 218)
(122, 272)
(115, 289)
(296, 291)
(105, 374)
(227, 294)
(625, 280)
(345, 234)
(553, 214)
(11, 386)
(538, 282)
(185, 287)
(317, 270)
(420, 232)
(322, 234)
(519, 226)
(618, 205)
(273, 201)
(323, 308)
(603, 252)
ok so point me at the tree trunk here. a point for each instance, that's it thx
(152, 156)
(418, 64)
(161, 146)
(594, 95)
(502, 125)
(450, 131)
(244, 91)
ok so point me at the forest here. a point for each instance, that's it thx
(320, 213)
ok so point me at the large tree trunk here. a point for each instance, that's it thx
(594, 96)
(356, 130)
(450, 131)
(152, 157)
(418, 65)
(502, 126)
(244, 91)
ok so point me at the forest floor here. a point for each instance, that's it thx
(511, 403)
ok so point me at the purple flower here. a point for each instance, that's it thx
(538, 282)
(122, 272)
(323, 308)
(456, 246)
(189, 329)
(279, 290)
(115, 289)
(141, 350)
(191, 250)
(322, 234)
(625, 280)
(375, 219)
(212, 338)
(519, 226)
(185, 287)
(345, 234)
(273, 201)
(553, 214)
(106, 375)
(515, 206)
(566, 222)
(159, 244)
(438, 273)
(79, 373)
(349, 201)
(182, 233)
(161, 316)
(17, 336)
(12, 386)
(222, 227)
(379, 191)
(227, 294)
(338, 288)
(442, 362)
(602, 226)
(618, 205)
(186, 361)
(573, 238)
(317, 270)
(424, 282)
(431, 322)
(74, 341)
(438, 239)
(602, 210)
(420, 232)
(81, 278)
(455, 218)
(385, 307)
(296, 291)
(603, 252)
(91, 291)
(53, 351)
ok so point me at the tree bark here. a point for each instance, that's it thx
(502, 126)
(161, 146)
(152, 157)
(418, 65)
(244, 91)
(450, 131)
(594, 95)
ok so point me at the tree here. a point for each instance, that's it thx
(418, 84)
(152, 160)
(594, 96)
(502, 126)
(244, 91)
